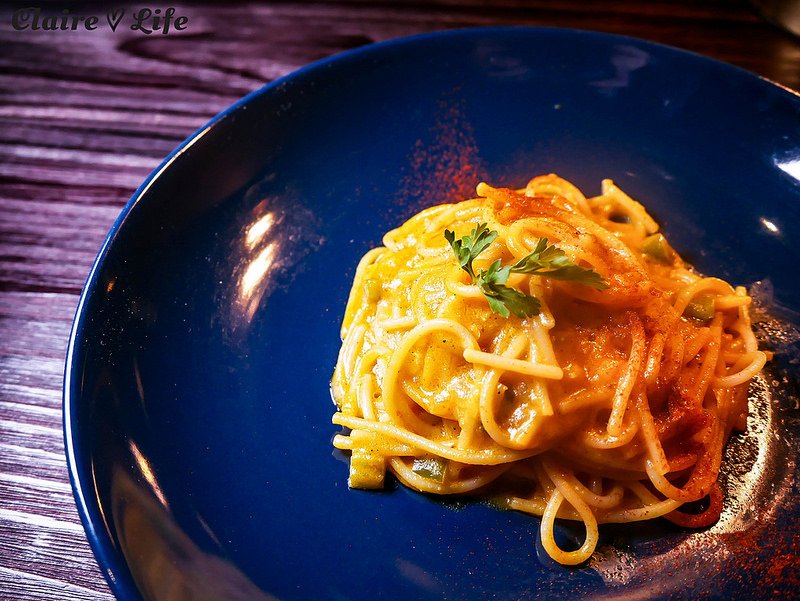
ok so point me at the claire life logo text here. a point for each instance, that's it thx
(143, 20)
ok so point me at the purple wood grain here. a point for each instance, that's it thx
(85, 116)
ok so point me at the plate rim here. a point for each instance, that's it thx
(109, 560)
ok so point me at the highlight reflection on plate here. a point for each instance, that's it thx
(197, 410)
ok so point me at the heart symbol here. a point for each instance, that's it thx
(114, 17)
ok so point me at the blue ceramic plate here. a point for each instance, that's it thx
(196, 402)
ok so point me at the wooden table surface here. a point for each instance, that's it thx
(86, 115)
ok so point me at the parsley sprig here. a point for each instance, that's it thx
(469, 247)
(546, 260)
(552, 262)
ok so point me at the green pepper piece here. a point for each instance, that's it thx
(656, 247)
(433, 468)
(700, 307)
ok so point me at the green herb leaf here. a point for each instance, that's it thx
(545, 260)
(469, 247)
(502, 298)
(496, 274)
(552, 262)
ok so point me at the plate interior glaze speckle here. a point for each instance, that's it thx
(197, 405)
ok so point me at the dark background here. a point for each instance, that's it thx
(85, 116)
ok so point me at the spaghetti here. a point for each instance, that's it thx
(604, 406)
